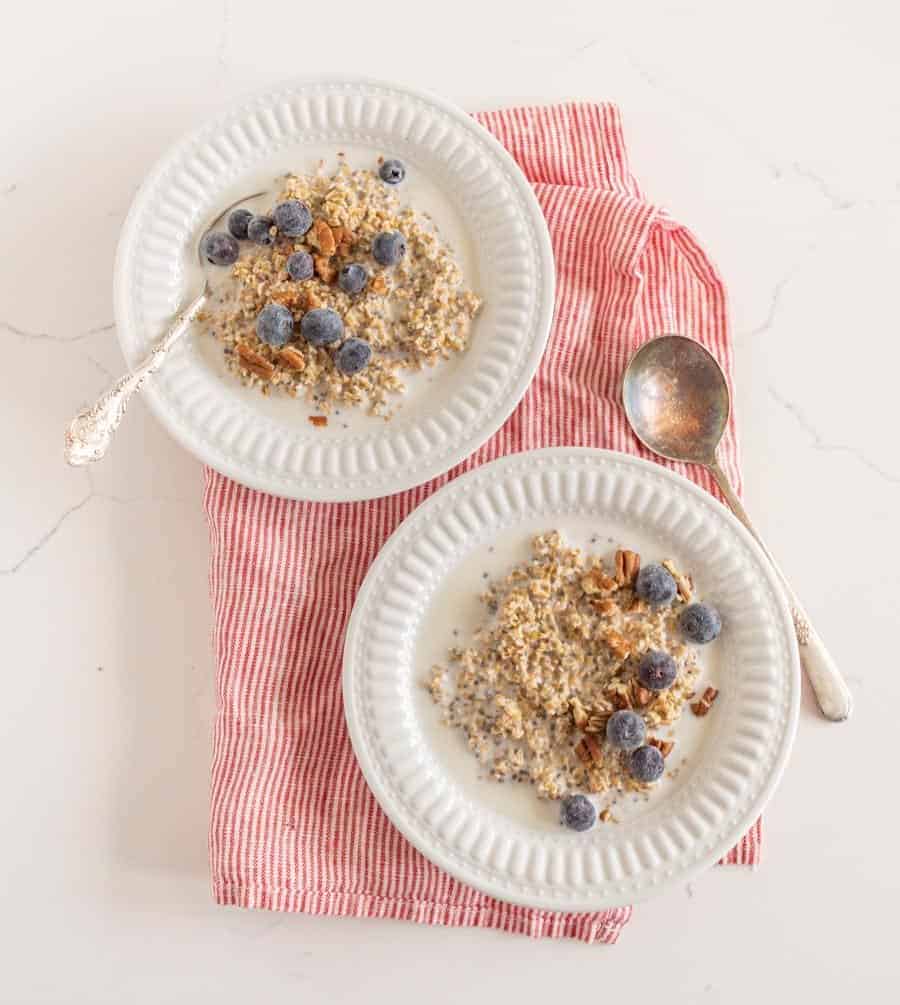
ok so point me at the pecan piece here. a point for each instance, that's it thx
(291, 358)
(642, 696)
(605, 815)
(255, 362)
(703, 706)
(618, 645)
(684, 583)
(628, 564)
(589, 750)
(324, 237)
(620, 700)
(319, 420)
(596, 723)
(663, 746)
(344, 238)
(378, 284)
(605, 606)
(324, 269)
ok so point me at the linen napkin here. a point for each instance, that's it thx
(293, 825)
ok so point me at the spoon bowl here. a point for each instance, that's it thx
(676, 399)
(677, 402)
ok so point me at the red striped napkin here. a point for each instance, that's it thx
(293, 825)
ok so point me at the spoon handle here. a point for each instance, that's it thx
(89, 434)
(829, 686)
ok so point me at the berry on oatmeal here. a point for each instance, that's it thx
(655, 585)
(219, 248)
(352, 278)
(300, 266)
(700, 623)
(321, 326)
(657, 670)
(353, 356)
(292, 218)
(577, 812)
(274, 325)
(237, 223)
(625, 729)
(392, 171)
(418, 314)
(647, 764)
(259, 230)
(389, 247)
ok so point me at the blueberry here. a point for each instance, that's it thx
(300, 265)
(389, 247)
(700, 623)
(577, 813)
(657, 670)
(392, 171)
(321, 326)
(274, 324)
(292, 218)
(259, 230)
(237, 223)
(647, 764)
(219, 248)
(352, 278)
(353, 356)
(655, 585)
(625, 729)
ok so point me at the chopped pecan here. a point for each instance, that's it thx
(605, 606)
(642, 696)
(378, 284)
(324, 269)
(596, 723)
(589, 750)
(324, 237)
(255, 362)
(620, 700)
(684, 583)
(628, 564)
(344, 239)
(663, 746)
(291, 358)
(618, 645)
(703, 706)
(605, 815)
(319, 420)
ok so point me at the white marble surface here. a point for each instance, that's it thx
(772, 129)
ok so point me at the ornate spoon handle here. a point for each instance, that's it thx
(90, 432)
(829, 686)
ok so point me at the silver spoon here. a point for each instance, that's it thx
(90, 432)
(677, 401)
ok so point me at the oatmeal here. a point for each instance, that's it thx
(343, 290)
(574, 672)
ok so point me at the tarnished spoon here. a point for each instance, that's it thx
(677, 401)
(89, 434)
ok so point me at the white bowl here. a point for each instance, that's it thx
(502, 839)
(481, 203)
